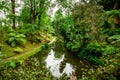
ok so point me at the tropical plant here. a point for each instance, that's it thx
(113, 17)
(32, 32)
(112, 23)
(25, 15)
(46, 24)
(83, 38)
(15, 38)
(73, 46)
(31, 29)
(114, 40)
(62, 23)
(110, 50)
(92, 52)
(113, 45)
(11, 64)
(32, 68)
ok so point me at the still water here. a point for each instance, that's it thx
(54, 63)
(60, 61)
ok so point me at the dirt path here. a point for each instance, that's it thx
(27, 54)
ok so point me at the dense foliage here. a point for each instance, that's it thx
(31, 69)
(89, 28)
(15, 38)
(83, 31)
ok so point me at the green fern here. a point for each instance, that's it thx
(73, 45)
(113, 12)
(31, 29)
(95, 60)
(115, 37)
(11, 64)
(92, 52)
(18, 50)
(115, 40)
(111, 50)
(14, 38)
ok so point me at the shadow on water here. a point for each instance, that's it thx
(59, 61)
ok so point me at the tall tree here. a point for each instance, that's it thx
(13, 12)
(87, 22)
(36, 8)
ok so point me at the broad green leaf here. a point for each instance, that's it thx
(11, 39)
(12, 64)
(112, 12)
(110, 20)
(115, 37)
(12, 34)
(13, 44)
(18, 50)
(21, 35)
(22, 40)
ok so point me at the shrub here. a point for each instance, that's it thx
(32, 32)
(15, 38)
(73, 45)
(92, 52)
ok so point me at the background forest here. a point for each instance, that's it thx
(89, 29)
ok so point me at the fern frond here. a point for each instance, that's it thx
(111, 50)
(112, 12)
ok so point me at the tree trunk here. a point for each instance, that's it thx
(41, 5)
(116, 4)
(32, 11)
(34, 14)
(13, 12)
(39, 19)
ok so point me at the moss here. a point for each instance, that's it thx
(18, 50)
(28, 53)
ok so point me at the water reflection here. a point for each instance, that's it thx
(53, 64)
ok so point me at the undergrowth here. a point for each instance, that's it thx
(31, 69)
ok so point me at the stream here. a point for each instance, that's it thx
(59, 61)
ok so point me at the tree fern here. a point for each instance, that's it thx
(115, 40)
(117, 37)
(14, 38)
(112, 17)
(95, 60)
(74, 46)
(113, 12)
(92, 52)
(111, 50)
